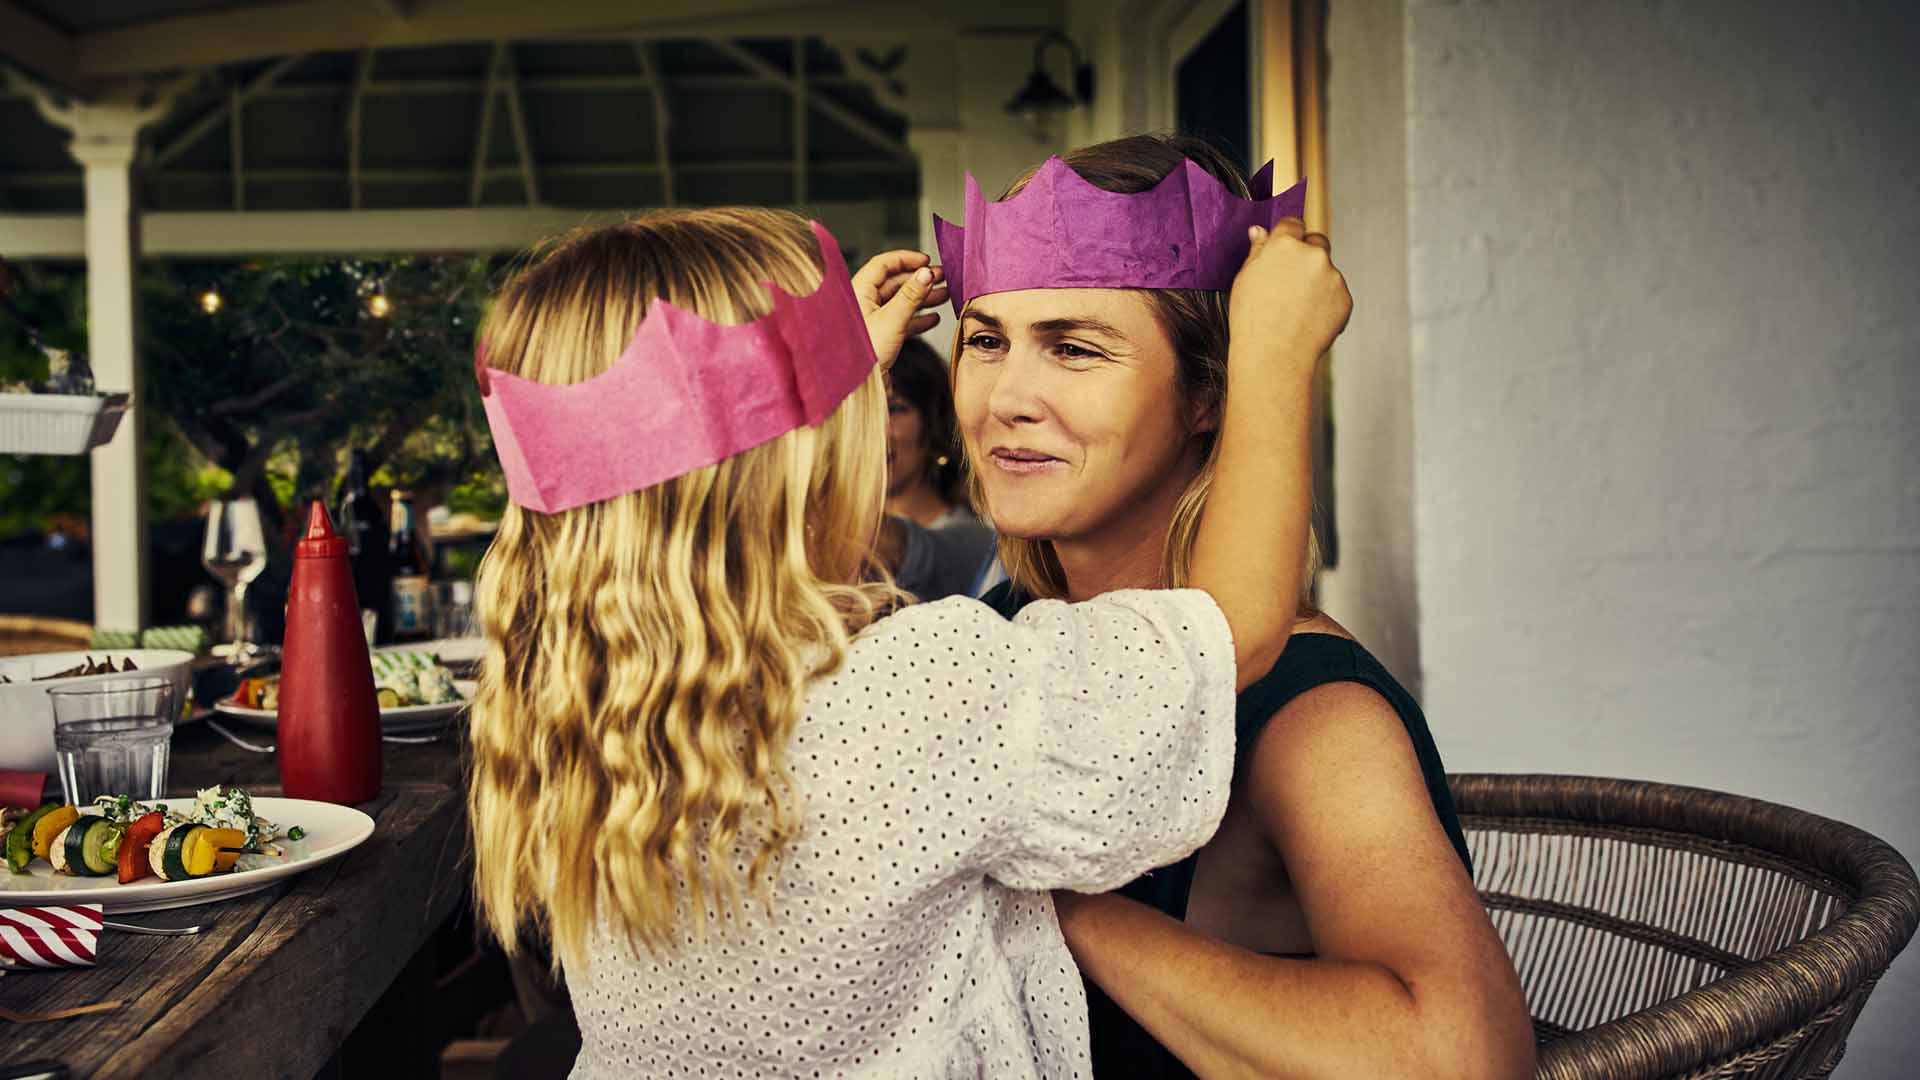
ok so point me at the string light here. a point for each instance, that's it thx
(379, 306)
(211, 302)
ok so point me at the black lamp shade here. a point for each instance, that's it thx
(1040, 95)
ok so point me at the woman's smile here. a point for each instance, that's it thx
(1021, 461)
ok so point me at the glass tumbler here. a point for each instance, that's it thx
(111, 737)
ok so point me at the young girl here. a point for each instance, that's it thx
(767, 832)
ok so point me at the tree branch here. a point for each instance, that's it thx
(257, 398)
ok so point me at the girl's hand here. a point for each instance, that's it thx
(895, 290)
(1288, 296)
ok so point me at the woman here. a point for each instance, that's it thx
(768, 831)
(1330, 928)
(942, 546)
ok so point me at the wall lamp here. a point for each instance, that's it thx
(1042, 96)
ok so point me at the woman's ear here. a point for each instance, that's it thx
(1203, 419)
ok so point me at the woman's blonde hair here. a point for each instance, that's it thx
(648, 655)
(1195, 321)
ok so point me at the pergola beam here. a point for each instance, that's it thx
(210, 119)
(44, 180)
(800, 121)
(833, 110)
(362, 75)
(37, 45)
(517, 119)
(483, 138)
(236, 146)
(656, 81)
(222, 233)
(257, 31)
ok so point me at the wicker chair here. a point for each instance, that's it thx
(1666, 931)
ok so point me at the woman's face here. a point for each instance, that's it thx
(907, 457)
(1070, 405)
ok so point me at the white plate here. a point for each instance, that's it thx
(465, 650)
(331, 831)
(393, 721)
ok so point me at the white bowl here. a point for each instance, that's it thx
(26, 712)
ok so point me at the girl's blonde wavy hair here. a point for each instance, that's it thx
(647, 656)
(1195, 321)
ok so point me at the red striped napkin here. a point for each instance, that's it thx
(50, 937)
(21, 788)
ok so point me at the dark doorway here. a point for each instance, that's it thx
(1212, 88)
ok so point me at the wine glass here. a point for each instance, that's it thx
(235, 551)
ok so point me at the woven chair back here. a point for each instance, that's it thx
(1664, 931)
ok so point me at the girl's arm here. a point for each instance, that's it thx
(1288, 304)
(1409, 978)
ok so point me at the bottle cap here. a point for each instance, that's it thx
(320, 542)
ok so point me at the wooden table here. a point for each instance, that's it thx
(279, 978)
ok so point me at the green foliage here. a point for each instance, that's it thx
(267, 393)
(36, 490)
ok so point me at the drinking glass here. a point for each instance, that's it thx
(452, 609)
(235, 551)
(110, 737)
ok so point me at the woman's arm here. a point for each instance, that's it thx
(1409, 978)
(1288, 304)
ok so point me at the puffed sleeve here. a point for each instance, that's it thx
(1095, 739)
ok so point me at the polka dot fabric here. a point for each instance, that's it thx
(956, 764)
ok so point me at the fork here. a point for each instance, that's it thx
(183, 931)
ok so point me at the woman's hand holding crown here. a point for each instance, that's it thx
(1288, 298)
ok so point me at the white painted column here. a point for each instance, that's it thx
(105, 139)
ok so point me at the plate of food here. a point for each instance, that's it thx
(416, 692)
(133, 856)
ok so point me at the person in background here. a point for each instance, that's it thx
(1331, 927)
(938, 547)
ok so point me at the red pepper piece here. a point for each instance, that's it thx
(133, 846)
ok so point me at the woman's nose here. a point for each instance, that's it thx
(1015, 397)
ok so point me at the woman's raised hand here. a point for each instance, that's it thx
(896, 289)
(1288, 296)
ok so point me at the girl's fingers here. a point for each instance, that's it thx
(893, 282)
(1320, 241)
(879, 278)
(891, 323)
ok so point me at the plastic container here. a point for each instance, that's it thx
(58, 423)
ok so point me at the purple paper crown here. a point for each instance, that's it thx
(686, 393)
(1061, 232)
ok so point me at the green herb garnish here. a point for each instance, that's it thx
(296, 833)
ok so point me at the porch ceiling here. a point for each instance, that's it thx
(78, 44)
(577, 123)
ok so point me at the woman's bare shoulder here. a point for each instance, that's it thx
(1321, 623)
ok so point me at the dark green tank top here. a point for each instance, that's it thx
(1122, 1048)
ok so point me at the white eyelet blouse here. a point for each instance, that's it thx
(954, 767)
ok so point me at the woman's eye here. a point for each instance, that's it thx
(1071, 351)
(984, 343)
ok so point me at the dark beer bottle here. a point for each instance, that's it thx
(366, 533)
(411, 569)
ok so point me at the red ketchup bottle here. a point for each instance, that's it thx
(329, 718)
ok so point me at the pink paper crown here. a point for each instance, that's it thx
(686, 393)
(1061, 232)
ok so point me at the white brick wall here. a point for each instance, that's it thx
(1660, 345)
